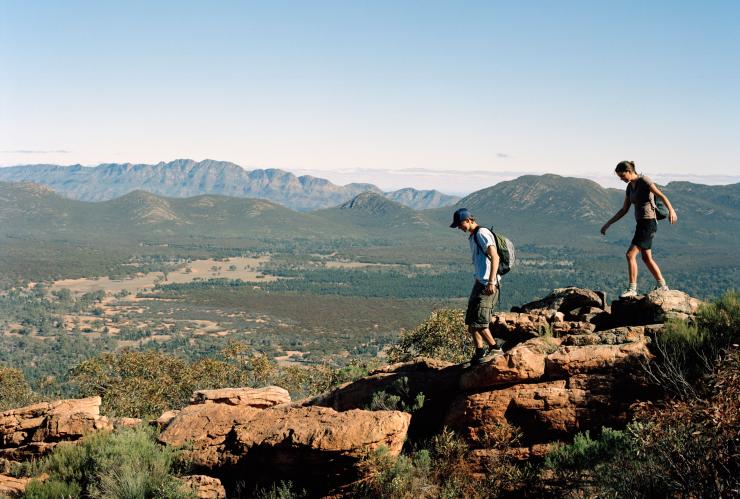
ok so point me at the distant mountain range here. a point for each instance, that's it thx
(542, 210)
(186, 178)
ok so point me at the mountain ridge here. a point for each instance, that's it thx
(186, 178)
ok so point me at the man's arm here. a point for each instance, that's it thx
(492, 280)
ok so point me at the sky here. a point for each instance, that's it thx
(448, 95)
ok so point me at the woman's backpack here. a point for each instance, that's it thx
(504, 248)
(661, 210)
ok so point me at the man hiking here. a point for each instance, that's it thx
(486, 287)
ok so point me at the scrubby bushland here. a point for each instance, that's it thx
(442, 336)
(144, 384)
(688, 353)
(687, 445)
(441, 468)
(121, 464)
(14, 389)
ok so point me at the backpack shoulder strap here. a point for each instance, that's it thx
(475, 238)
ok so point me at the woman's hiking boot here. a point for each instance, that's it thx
(630, 293)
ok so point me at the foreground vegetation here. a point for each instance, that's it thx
(684, 444)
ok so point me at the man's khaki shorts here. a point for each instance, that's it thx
(480, 306)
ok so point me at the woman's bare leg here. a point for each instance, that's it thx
(632, 263)
(647, 257)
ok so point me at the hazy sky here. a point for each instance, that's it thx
(380, 91)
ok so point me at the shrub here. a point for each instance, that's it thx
(281, 490)
(442, 336)
(676, 449)
(687, 353)
(121, 464)
(14, 389)
(442, 469)
(398, 397)
(52, 489)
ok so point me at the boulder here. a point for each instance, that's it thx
(259, 398)
(565, 300)
(544, 412)
(204, 428)
(516, 327)
(204, 487)
(570, 360)
(166, 418)
(31, 431)
(314, 445)
(524, 362)
(656, 307)
(323, 430)
(126, 422)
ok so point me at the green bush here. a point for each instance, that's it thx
(687, 353)
(441, 469)
(280, 490)
(52, 489)
(442, 336)
(398, 397)
(14, 389)
(674, 449)
(125, 464)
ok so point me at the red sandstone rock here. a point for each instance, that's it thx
(351, 433)
(31, 431)
(522, 363)
(260, 398)
(205, 427)
(570, 360)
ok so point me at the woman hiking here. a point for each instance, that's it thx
(641, 191)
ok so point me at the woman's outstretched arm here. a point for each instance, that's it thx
(622, 212)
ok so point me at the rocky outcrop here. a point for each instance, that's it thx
(304, 443)
(565, 370)
(34, 430)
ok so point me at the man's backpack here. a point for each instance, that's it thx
(504, 248)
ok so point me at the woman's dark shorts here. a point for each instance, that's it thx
(644, 233)
(480, 306)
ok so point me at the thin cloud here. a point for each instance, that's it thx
(37, 151)
(502, 155)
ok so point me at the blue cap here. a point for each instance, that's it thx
(460, 215)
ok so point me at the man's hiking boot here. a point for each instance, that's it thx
(477, 358)
(630, 293)
(661, 288)
(494, 350)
